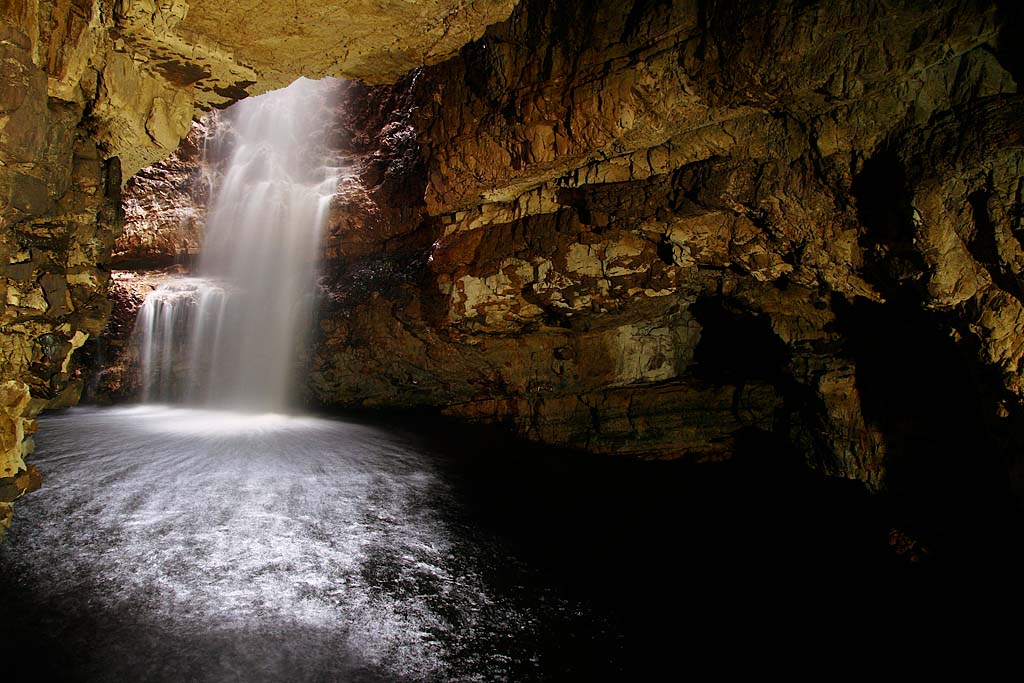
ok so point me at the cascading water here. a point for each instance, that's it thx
(229, 336)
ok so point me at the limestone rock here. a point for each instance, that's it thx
(143, 68)
(636, 228)
(162, 59)
(16, 424)
(371, 41)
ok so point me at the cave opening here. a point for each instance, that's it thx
(390, 550)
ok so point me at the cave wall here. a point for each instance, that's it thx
(650, 228)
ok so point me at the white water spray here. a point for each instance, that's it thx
(229, 337)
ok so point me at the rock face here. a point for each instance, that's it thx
(91, 92)
(365, 39)
(59, 207)
(658, 228)
(165, 207)
(16, 478)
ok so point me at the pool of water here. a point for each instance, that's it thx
(173, 544)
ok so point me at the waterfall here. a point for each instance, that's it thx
(230, 335)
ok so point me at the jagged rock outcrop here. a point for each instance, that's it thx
(652, 228)
(16, 477)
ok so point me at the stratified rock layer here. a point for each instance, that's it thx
(655, 228)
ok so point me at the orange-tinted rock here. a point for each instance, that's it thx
(610, 193)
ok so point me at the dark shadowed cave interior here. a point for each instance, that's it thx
(503, 340)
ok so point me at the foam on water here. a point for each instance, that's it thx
(265, 547)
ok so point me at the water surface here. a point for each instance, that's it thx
(173, 544)
(176, 544)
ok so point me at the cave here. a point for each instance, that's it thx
(500, 341)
